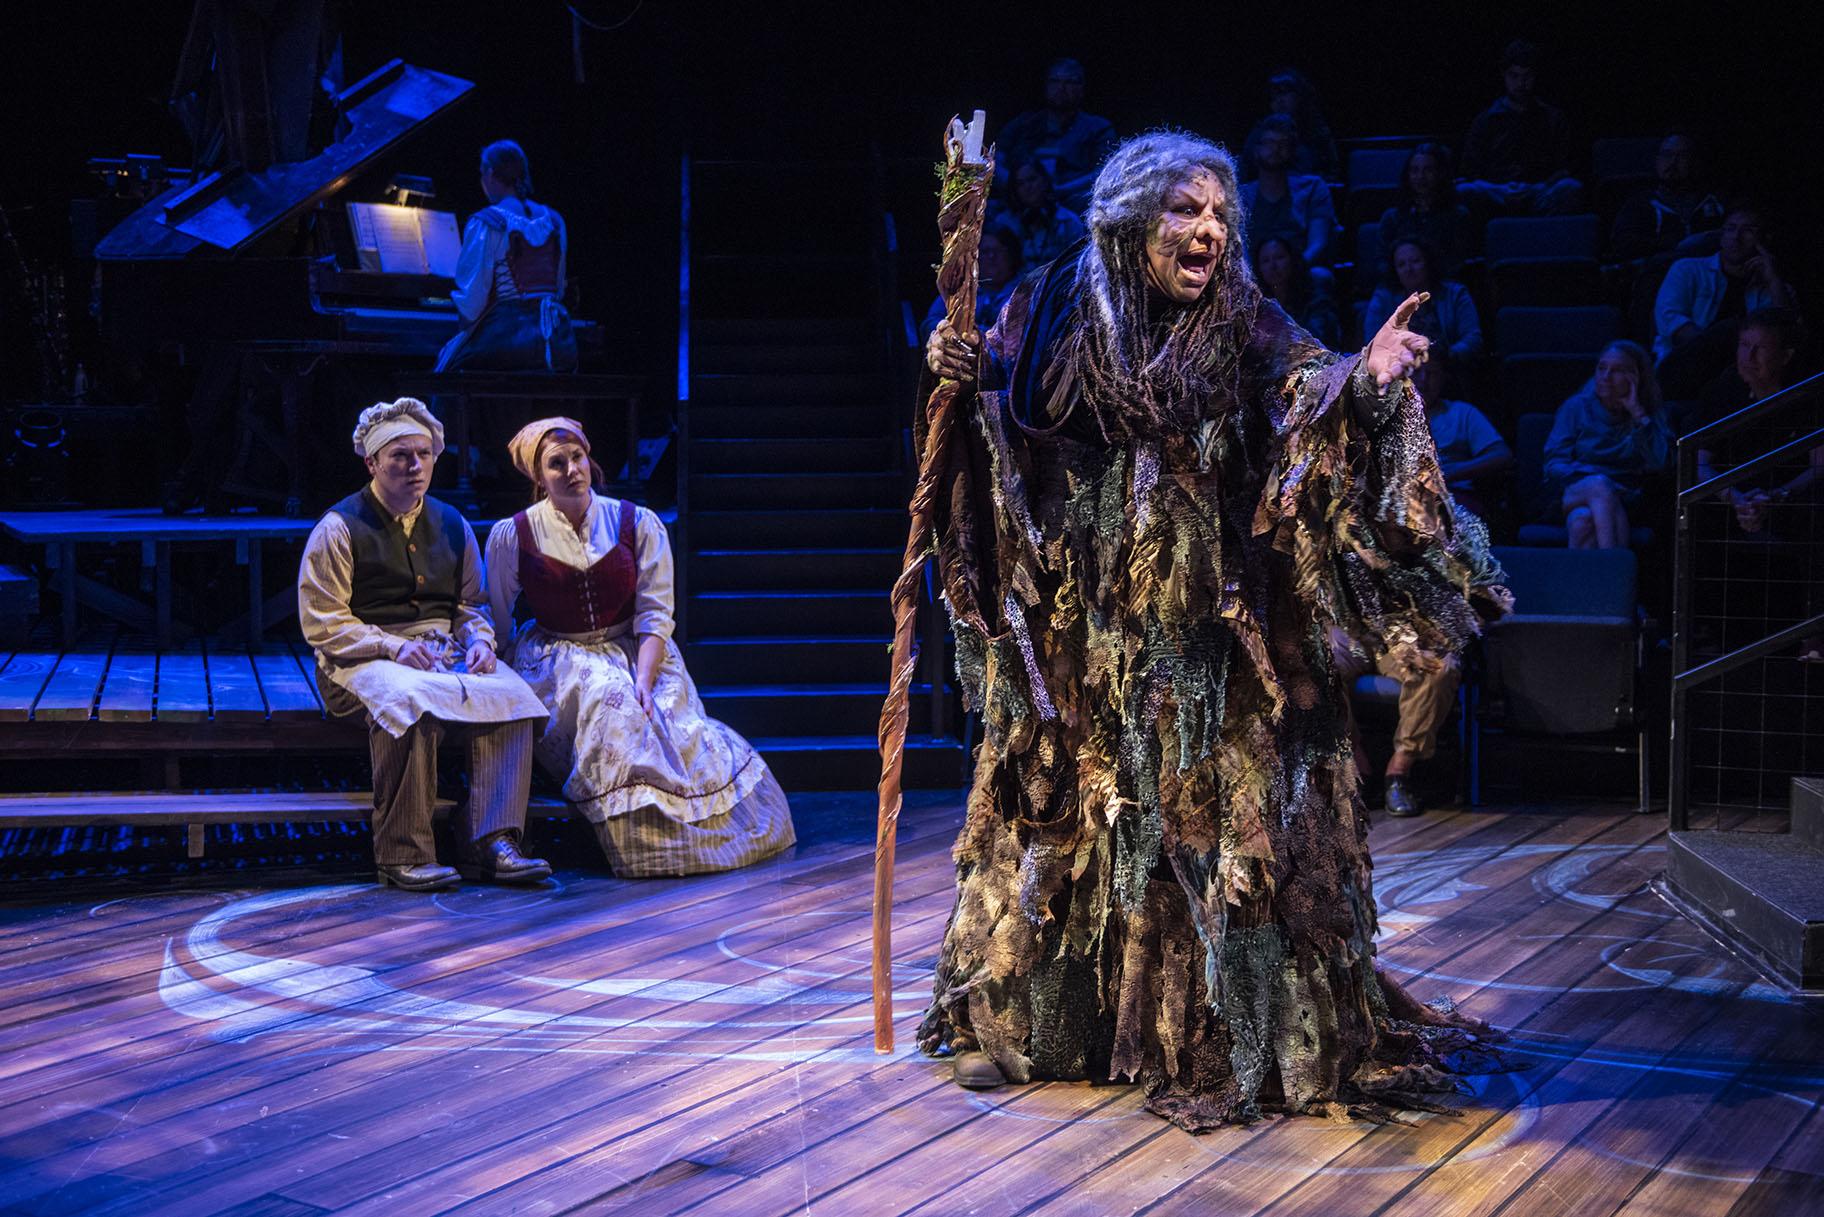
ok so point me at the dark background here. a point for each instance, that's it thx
(776, 81)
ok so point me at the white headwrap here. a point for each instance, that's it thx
(386, 421)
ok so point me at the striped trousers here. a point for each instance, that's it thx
(405, 785)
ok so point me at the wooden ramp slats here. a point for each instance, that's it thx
(70, 692)
(290, 693)
(21, 680)
(183, 686)
(128, 690)
(234, 690)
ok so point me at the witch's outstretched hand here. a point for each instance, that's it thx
(1395, 351)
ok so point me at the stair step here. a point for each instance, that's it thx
(785, 388)
(1762, 893)
(779, 529)
(710, 421)
(725, 491)
(779, 331)
(731, 569)
(755, 613)
(800, 355)
(1808, 811)
(852, 762)
(871, 453)
(838, 709)
(816, 659)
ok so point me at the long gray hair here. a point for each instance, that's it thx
(1149, 369)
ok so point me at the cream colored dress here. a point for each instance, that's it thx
(676, 793)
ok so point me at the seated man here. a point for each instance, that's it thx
(1425, 701)
(1516, 157)
(1296, 207)
(1470, 451)
(1676, 208)
(1070, 144)
(1703, 300)
(391, 598)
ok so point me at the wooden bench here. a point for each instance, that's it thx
(192, 810)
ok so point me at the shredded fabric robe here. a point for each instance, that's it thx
(1163, 874)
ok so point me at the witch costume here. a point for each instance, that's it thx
(673, 792)
(1157, 512)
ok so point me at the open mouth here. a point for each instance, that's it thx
(1197, 266)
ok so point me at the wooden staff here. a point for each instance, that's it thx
(962, 201)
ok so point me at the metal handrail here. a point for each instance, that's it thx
(1771, 404)
(1684, 677)
(681, 425)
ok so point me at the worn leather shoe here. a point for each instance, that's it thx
(976, 1071)
(498, 860)
(419, 877)
(1400, 800)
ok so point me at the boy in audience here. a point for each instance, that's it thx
(1516, 156)
(1470, 450)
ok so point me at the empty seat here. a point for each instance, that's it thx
(1367, 258)
(1543, 260)
(1542, 237)
(1624, 156)
(1373, 178)
(1578, 330)
(1531, 383)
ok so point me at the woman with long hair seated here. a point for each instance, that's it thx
(1448, 316)
(1285, 279)
(1608, 437)
(670, 790)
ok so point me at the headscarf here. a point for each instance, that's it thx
(523, 447)
(382, 423)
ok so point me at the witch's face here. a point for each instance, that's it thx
(1185, 244)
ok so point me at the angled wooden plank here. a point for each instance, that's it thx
(131, 685)
(70, 692)
(289, 695)
(21, 681)
(183, 686)
(234, 691)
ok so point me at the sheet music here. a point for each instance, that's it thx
(405, 240)
(442, 241)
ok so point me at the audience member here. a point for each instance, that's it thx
(1470, 451)
(1765, 350)
(1285, 278)
(1516, 157)
(1069, 143)
(1427, 210)
(1703, 299)
(1293, 206)
(1661, 218)
(1448, 318)
(997, 273)
(1043, 228)
(1425, 701)
(1290, 92)
(1607, 439)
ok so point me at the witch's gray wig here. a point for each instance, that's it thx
(1149, 368)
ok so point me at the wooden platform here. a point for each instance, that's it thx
(702, 1046)
(114, 694)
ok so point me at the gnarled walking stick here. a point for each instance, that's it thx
(962, 200)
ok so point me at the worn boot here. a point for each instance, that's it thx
(496, 859)
(976, 1070)
(418, 876)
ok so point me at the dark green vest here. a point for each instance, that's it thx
(399, 579)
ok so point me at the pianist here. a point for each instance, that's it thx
(390, 597)
(510, 277)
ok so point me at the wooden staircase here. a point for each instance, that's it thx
(795, 523)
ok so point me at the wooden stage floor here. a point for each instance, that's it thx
(703, 1046)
